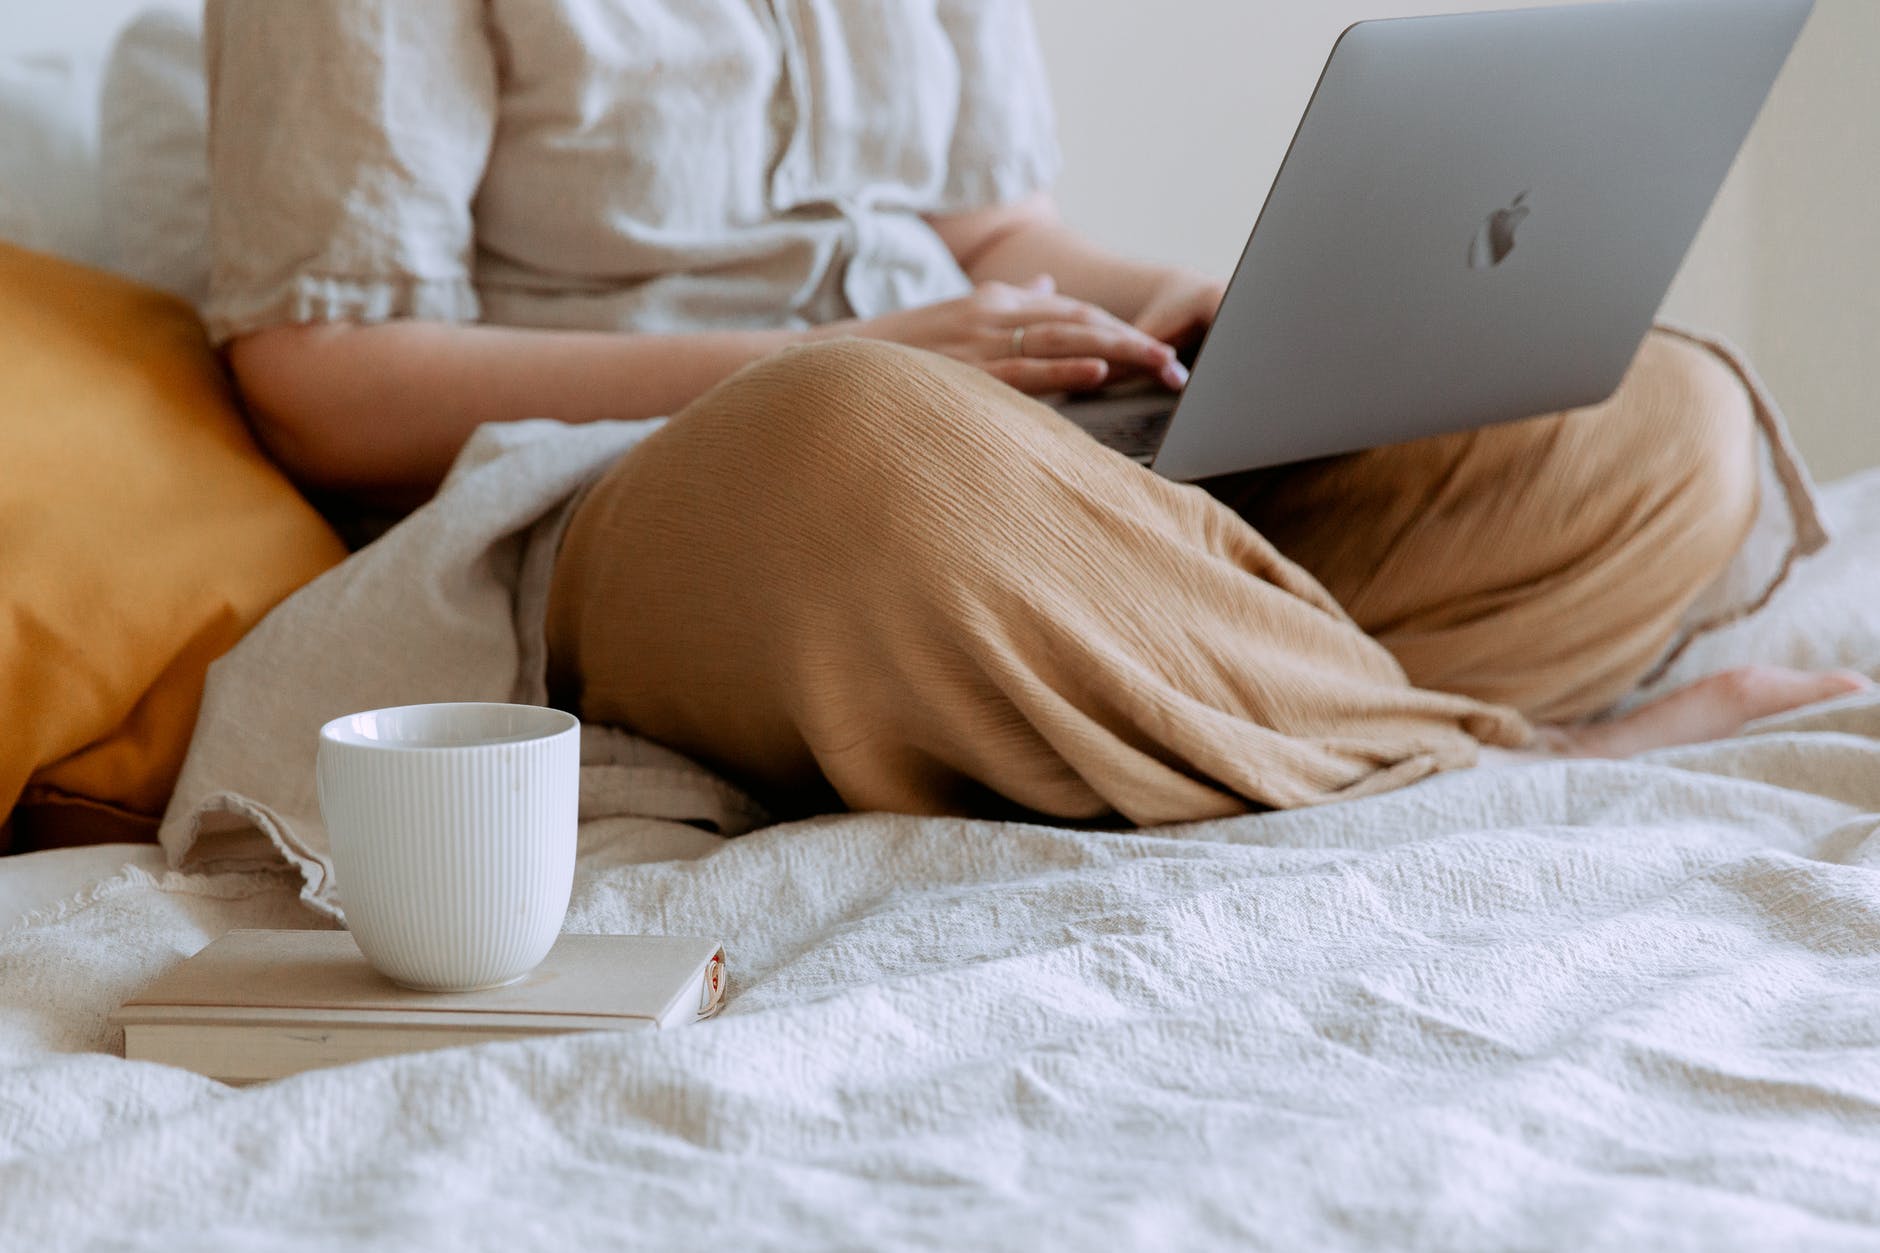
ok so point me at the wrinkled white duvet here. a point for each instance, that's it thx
(1586, 1006)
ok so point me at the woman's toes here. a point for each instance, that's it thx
(1710, 709)
(1764, 691)
(1855, 681)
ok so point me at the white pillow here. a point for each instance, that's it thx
(155, 149)
(49, 179)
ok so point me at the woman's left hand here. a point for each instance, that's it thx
(1182, 307)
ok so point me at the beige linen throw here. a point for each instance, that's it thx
(445, 607)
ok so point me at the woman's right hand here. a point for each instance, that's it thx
(1066, 345)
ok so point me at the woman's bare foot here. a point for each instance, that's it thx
(1710, 709)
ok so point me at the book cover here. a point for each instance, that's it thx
(258, 1005)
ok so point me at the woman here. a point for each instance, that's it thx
(868, 570)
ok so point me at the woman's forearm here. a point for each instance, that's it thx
(387, 407)
(1016, 243)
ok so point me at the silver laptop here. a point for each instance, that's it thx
(1476, 223)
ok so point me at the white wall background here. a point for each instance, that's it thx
(1817, 281)
(1175, 115)
(30, 26)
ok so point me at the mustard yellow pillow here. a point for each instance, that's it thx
(142, 533)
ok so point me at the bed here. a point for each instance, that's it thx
(1565, 1006)
(1562, 1006)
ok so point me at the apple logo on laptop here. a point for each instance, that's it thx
(1495, 240)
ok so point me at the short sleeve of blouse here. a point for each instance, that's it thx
(1005, 140)
(347, 142)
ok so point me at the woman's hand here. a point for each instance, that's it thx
(1029, 337)
(1181, 308)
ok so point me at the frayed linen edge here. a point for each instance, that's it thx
(1809, 533)
(315, 880)
(233, 885)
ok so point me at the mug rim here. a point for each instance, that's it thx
(558, 722)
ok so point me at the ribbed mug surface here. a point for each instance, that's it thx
(453, 837)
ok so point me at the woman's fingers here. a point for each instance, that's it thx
(1039, 302)
(1118, 345)
(1012, 307)
(1060, 327)
(1183, 309)
(1044, 306)
(1130, 348)
(1175, 324)
(1040, 376)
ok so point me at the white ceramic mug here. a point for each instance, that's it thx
(453, 834)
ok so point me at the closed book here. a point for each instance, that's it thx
(258, 1005)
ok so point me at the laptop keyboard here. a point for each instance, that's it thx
(1131, 422)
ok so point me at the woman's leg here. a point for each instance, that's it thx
(861, 573)
(1544, 565)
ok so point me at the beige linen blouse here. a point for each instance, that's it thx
(650, 165)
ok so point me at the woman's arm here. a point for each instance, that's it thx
(387, 407)
(1015, 243)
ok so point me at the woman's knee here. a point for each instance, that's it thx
(1694, 431)
(850, 393)
(862, 417)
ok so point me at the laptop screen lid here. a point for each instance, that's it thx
(1477, 221)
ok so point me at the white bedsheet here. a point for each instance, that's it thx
(1569, 1006)
(31, 882)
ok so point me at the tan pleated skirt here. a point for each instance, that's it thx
(861, 575)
